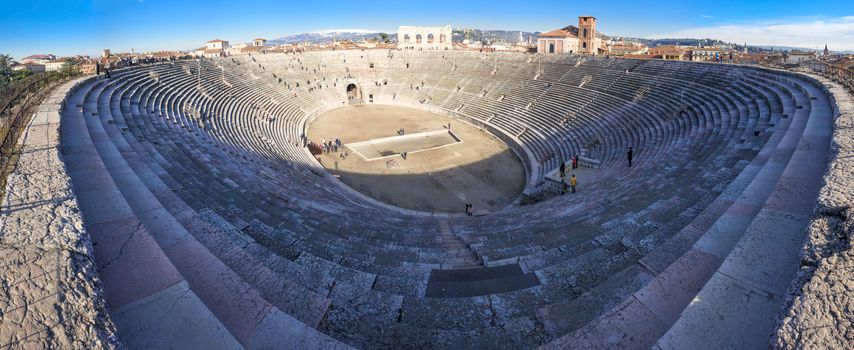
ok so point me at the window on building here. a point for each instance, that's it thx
(406, 38)
(551, 48)
(584, 45)
(418, 38)
(430, 38)
(584, 31)
(441, 38)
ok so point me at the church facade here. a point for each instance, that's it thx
(582, 39)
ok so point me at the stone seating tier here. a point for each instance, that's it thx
(211, 190)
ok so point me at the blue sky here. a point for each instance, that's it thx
(85, 27)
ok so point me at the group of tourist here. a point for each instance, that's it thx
(564, 183)
(573, 181)
(331, 146)
(469, 209)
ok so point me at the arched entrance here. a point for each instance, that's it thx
(551, 48)
(353, 93)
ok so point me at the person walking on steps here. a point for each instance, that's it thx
(562, 170)
(572, 183)
(629, 156)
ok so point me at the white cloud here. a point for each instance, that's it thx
(707, 16)
(837, 33)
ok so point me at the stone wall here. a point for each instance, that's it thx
(408, 38)
(821, 299)
(51, 295)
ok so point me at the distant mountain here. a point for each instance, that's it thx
(709, 42)
(674, 41)
(785, 48)
(492, 35)
(323, 37)
(474, 35)
(504, 36)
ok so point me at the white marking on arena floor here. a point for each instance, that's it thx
(395, 145)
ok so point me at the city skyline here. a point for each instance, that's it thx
(85, 27)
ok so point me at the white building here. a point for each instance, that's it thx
(706, 54)
(32, 67)
(53, 65)
(797, 56)
(217, 44)
(38, 59)
(215, 48)
(425, 38)
(237, 49)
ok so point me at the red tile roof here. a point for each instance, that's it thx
(38, 57)
(565, 32)
(558, 33)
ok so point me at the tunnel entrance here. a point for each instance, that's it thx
(354, 95)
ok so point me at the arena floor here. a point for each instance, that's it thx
(480, 169)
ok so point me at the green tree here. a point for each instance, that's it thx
(5, 69)
(20, 74)
(384, 37)
(69, 67)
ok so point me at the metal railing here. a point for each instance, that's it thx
(17, 103)
(842, 75)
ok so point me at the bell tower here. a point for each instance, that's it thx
(587, 43)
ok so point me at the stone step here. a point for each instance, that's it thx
(750, 287)
(480, 281)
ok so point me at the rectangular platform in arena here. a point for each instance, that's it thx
(395, 145)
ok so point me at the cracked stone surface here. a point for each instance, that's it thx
(50, 294)
(820, 313)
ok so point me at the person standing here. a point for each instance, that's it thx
(572, 183)
(575, 161)
(562, 170)
(629, 156)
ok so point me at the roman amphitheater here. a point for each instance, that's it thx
(190, 204)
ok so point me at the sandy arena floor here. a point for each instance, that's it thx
(481, 169)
